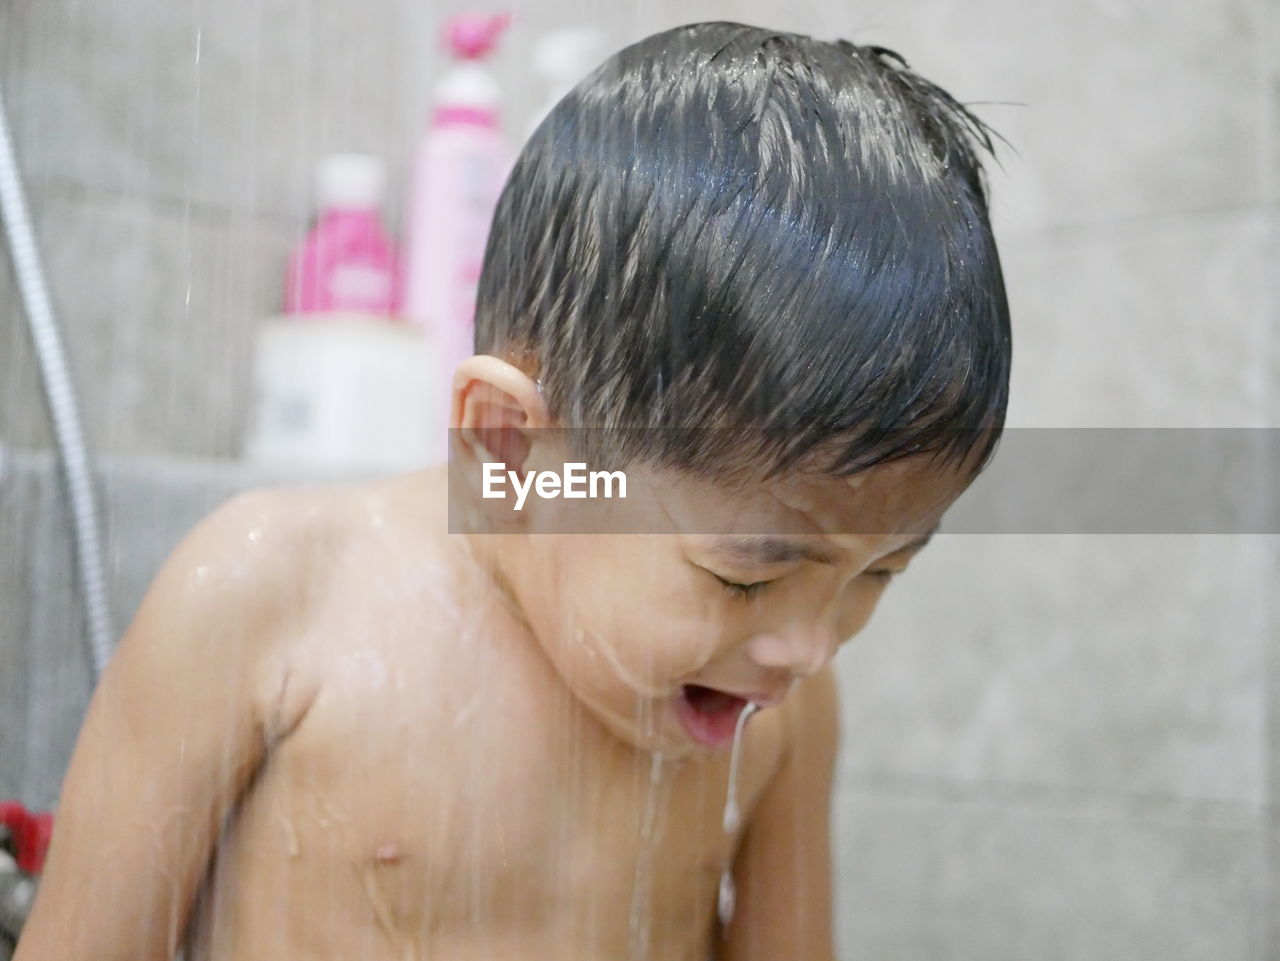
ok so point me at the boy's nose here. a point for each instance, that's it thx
(799, 652)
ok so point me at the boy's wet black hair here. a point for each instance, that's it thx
(783, 239)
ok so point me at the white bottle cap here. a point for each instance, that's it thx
(567, 52)
(563, 57)
(468, 84)
(350, 181)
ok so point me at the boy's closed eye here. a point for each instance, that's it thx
(748, 591)
(774, 552)
(739, 590)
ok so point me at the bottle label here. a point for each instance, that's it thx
(353, 286)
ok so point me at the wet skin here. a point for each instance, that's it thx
(335, 730)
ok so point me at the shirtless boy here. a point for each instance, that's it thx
(400, 720)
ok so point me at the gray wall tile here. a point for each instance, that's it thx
(1273, 649)
(1271, 294)
(1112, 663)
(1272, 930)
(231, 102)
(1115, 110)
(1160, 324)
(208, 103)
(923, 879)
(157, 307)
(58, 664)
(24, 420)
(21, 478)
(1270, 37)
(1269, 298)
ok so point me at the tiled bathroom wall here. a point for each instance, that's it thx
(1055, 746)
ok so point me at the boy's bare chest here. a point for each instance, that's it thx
(417, 809)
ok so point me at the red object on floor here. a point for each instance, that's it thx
(30, 832)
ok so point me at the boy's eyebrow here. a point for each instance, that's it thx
(764, 549)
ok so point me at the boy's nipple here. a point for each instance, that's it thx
(388, 854)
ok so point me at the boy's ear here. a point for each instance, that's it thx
(495, 406)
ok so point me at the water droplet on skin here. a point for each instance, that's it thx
(726, 898)
(366, 667)
(290, 836)
(468, 709)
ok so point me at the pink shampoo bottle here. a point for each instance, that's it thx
(459, 169)
(347, 263)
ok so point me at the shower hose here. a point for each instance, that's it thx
(64, 409)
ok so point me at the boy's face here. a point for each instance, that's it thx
(664, 636)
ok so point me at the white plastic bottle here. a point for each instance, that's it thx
(458, 172)
(562, 57)
(347, 262)
(338, 379)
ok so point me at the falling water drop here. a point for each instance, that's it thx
(640, 908)
(727, 895)
(731, 812)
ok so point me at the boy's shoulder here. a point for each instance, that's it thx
(281, 553)
(245, 582)
(255, 565)
(284, 532)
(274, 551)
(253, 544)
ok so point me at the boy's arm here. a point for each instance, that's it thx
(783, 869)
(170, 739)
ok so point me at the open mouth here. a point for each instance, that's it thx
(709, 716)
